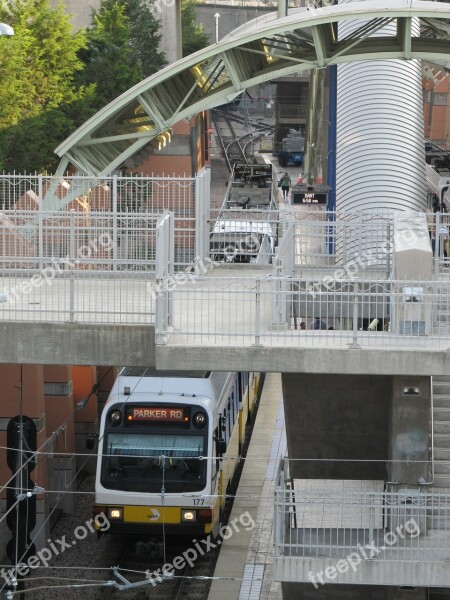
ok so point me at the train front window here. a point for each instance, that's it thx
(146, 462)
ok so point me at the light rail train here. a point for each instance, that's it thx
(169, 446)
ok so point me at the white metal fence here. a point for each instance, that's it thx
(266, 310)
(342, 518)
(93, 258)
(53, 295)
(45, 218)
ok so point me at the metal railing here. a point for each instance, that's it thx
(53, 295)
(352, 313)
(124, 208)
(364, 519)
(330, 239)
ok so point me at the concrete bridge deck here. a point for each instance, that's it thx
(213, 322)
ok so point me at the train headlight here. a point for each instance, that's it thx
(115, 514)
(115, 417)
(199, 420)
(188, 516)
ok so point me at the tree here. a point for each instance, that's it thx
(52, 80)
(108, 58)
(37, 91)
(194, 36)
(145, 37)
(122, 48)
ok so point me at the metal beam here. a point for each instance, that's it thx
(318, 44)
(219, 62)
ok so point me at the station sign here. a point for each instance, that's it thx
(309, 197)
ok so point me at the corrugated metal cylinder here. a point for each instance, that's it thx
(380, 133)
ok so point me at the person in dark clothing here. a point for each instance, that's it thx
(318, 323)
(285, 186)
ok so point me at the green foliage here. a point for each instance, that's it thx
(52, 79)
(145, 37)
(193, 35)
(108, 57)
(122, 48)
(37, 65)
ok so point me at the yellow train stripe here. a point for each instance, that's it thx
(152, 514)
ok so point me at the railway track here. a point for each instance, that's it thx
(134, 560)
(237, 148)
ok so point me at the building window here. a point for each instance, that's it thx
(440, 99)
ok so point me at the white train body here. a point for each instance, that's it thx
(168, 447)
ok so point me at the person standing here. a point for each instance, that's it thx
(319, 323)
(443, 240)
(286, 184)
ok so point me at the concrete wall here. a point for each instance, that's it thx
(231, 17)
(337, 417)
(77, 344)
(104, 345)
(167, 12)
(86, 419)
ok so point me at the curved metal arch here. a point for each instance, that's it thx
(265, 49)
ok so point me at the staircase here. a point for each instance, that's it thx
(441, 422)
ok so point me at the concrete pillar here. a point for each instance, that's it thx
(409, 430)
(22, 390)
(169, 13)
(60, 422)
(86, 419)
(343, 417)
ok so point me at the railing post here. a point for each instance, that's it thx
(202, 214)
(40, 224)
(258, 312)
(114, 208)
(171, 271)
(437, 243)
(163, 275)
(354, 343)
(72, 266)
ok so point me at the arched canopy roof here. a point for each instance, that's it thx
(268, 47)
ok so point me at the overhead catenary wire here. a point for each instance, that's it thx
(34, 455)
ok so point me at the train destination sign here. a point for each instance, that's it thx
(309, 197)
(155, 413)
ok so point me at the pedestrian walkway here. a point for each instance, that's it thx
(246, 559)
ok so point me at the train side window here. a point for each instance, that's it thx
(233, 403)
(236, 398)
(229, 422)
(215, 461)
(224, 426)
(243, 379)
